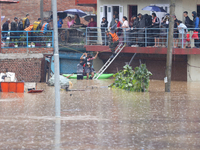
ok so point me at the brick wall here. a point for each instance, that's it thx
(64, 5)
(28, 70)
(11, 10)
(30, 50)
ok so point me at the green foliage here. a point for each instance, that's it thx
(132, 80)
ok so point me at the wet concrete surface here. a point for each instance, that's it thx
(100, 118)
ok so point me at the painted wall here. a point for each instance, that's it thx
(193, 68)
(181, 6)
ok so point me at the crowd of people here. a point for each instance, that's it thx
(133, 32)
(24, 25)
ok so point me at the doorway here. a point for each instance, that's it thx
(198, 10)
(133, 11)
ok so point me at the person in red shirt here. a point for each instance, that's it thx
(92, 31)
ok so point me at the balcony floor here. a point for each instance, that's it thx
(146, 50)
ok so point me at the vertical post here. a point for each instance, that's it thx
(170, 46)
(105, 36)
(86, 36)
(125, 36)
(167, 37)
(41, 11)
(56, 58)
(145, 37)
(26, 38)
(182, 37)
(52, 33)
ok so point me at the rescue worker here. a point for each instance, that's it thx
(88, 65)
(37, 25)
(113, 41)
(45, 27)
(26, 21)
(80, 67)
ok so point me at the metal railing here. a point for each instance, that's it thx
(27, 39)
(144, 37)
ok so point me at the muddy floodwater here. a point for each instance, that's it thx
(100, 118)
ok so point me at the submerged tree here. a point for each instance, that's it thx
(132, 80)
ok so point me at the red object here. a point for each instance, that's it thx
(35, 91)
(195, 35)
(86, 2)
(188, 37)
(16, 87)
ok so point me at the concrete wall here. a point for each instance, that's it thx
(181, 6)
(193, 68)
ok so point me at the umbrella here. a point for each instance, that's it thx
(88, 17)
(62, 14)
(2, 17)
(154, 8)
(75, 11)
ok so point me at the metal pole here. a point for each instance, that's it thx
(170, 46)
(56, 59)
(41, 11)
(0, 26)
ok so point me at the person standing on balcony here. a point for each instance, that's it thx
(60, 22)
(188, 21)
(5, 27)
(113, 41)
(77, 19)
(104, 26)
(37, 25)
(141, 26)
(126, 31)
(70, 22)
(26, 21)
(176, 35)
(113, 21)
(196, 26)
(133, 25)
(92, 31)
(14, 27)
(156, 31)
(182, 31)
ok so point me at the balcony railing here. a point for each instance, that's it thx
(144, 37)
(27, 39)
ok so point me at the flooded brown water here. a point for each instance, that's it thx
(100, 118)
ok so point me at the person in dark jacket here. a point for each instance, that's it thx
(104, 26)
(134, 25)
(196, 26)
(176, 33)
(5, 27)
(27, 21)
(156, 32)
(14, 27)
(20, 27)
(188, 21)
(141, 26)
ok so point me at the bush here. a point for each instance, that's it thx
(132, 80)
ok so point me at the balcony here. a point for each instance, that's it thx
(141, 41)
(27, 42)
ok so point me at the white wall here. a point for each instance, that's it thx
(181, 6)
(193, 72)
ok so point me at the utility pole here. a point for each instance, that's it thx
(41, 11)
(170, 46)
(56, 59)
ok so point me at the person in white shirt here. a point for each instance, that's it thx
(182, 31)
(127, 33)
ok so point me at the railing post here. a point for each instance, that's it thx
(26, 38)
(86, 36)
(105, 36)
(52, 38)
(145, 30)
(167, 37)
(182, 38)
(125, 36)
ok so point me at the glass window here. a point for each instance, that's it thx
(109, 9)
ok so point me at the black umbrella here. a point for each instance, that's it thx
(62, 14)
(88, 17)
